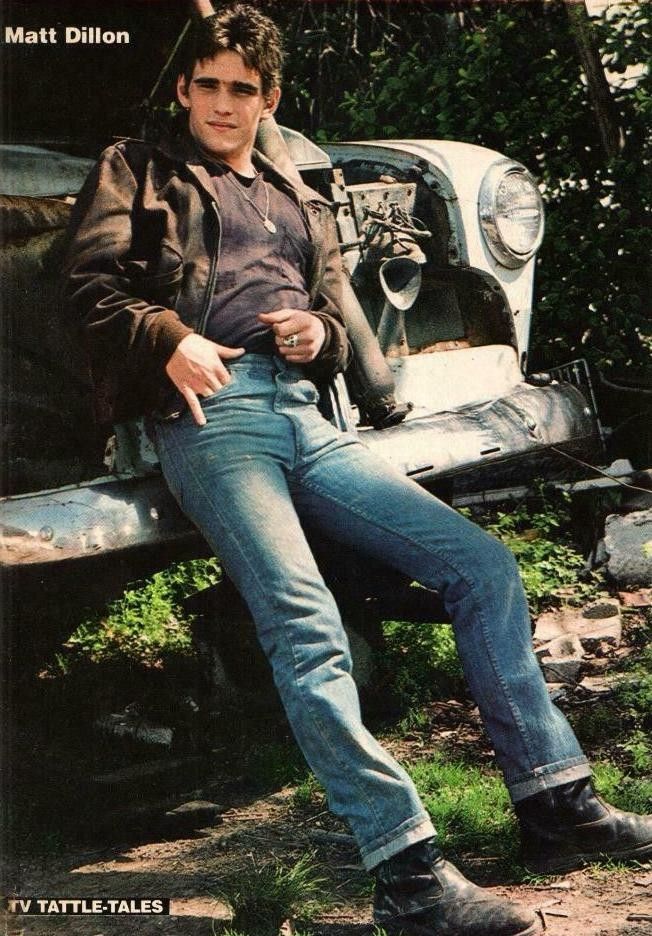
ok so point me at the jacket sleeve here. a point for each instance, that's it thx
(127, 331)
(328, 304)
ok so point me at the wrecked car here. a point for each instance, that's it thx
(439, 241)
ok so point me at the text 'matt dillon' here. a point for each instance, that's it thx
(70, 35)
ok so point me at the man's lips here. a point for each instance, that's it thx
(218, 125)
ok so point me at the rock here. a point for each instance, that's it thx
(628, 541)
(638, 599)
(552, 624)
(192, 815)
(597, 622)
(561, 669)
(600, 685)
(568, 645)
(601, 623)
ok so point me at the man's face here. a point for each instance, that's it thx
(226, 103)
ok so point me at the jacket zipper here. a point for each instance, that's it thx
(212, 274)
(306, 207)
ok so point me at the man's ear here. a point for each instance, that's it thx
(182, 91)
(271, 103)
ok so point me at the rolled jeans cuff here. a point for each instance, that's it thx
(408, 833)
(547, 777)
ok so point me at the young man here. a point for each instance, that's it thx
(209, 286)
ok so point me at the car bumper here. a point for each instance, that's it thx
(111, 516)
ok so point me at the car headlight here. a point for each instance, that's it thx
(511, 213)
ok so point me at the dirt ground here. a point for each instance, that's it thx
(595, 902)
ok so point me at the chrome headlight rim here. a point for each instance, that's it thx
(504, 253)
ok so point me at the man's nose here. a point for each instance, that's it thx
(222, 102)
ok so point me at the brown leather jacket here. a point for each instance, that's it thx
(141, 266)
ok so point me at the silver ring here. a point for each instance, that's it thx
(290, 341)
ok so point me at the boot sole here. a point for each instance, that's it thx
(397, 930)
(574, 862)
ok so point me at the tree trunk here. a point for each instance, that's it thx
(604, 106)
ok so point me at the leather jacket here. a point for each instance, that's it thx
(141, 267)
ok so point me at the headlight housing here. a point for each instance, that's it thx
(511, 213)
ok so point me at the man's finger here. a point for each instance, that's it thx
(230, 353)
(297, 358)
(275, 318)
(195, 406)
(220, 372)
(291, 327)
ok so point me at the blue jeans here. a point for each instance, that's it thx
(265, 462)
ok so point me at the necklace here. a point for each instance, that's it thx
(268, 224)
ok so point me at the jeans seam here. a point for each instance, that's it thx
(522, 729)
(165, 445)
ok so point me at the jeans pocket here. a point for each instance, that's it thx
(226, 390)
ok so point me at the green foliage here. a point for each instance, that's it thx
(308, 791)
(542, 543)
(622, 723)
(507, 76)
(146, 621)
(634, 693)
(622, 790)
(422, 660)
(261, 897)
(633, 698)
(539, 532)
(469, 807)
(639, 748)
(598, 723)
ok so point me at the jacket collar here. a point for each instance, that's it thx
(183, 149)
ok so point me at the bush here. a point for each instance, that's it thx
(147, 620)
(549, 562)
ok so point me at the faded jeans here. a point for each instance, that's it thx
(265, 462)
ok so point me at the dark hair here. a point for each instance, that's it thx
(240, 28)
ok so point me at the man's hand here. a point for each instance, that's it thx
(308, 328)
(196, 369)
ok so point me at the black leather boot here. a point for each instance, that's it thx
(570, 825)
(420, 894)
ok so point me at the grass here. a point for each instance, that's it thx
(469, 807)
(623, 790)
(308, 792)
(262, 897)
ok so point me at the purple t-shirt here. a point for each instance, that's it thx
(258, 271)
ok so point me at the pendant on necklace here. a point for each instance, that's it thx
(269, 224)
